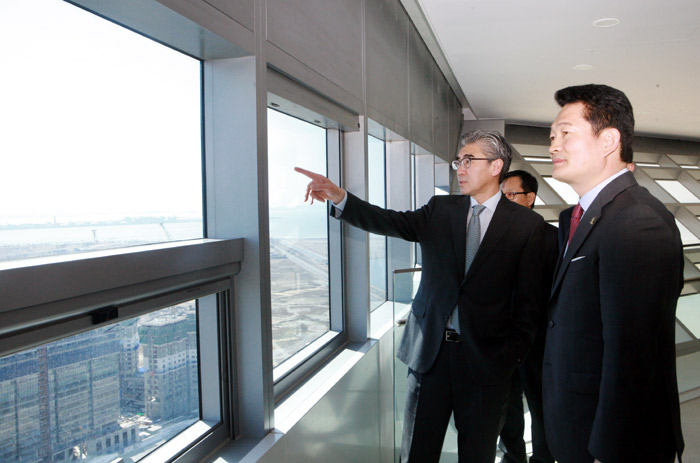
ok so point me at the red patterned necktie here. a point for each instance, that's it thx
(575, 219)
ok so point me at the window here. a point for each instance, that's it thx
(98, 153)
(422, 183)
(102, 150)
(688, 313)
(72, 377)
(679, 192)
(376, 183)
(688, 238)
(92, 389)
(299, 277)
(564, 190)
(442, 177)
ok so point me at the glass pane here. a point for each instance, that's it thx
(678, 191)
(442, 178)
(688, 312)
(563, 189)
(101, 144)
(405, 285)
(687, 237)
(377, 244)
(117, 391)
(298, 237)
(681, 334)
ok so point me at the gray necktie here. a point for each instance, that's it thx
(473, 241)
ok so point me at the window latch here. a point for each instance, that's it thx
(105, 315)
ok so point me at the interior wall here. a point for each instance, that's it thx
(366, 56)
(352, 422)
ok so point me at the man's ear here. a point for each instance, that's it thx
(531, 199)
(610, 138)
(496, 167)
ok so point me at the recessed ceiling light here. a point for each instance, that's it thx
(606, 22)
(583, 67)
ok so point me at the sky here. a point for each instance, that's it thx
(96, 122)
(292, 142)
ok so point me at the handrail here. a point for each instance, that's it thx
(407, 270)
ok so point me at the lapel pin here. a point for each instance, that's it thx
(593, 220)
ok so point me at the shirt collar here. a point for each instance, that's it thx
(490, 203)
(587, 199)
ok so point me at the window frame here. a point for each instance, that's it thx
(86, 291)
(295, 369)
(150, 30)
(376, 303)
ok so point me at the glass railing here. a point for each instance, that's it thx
(688, 343)
(405, 283)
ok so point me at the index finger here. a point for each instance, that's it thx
(308, 173)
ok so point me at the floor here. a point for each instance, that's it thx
(690, 421)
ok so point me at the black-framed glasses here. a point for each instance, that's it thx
(466, 162)
(512, 194)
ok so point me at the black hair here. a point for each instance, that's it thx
(528, 181)
(604, 107)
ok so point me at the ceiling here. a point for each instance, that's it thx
(510, 56)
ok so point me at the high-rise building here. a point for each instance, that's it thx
(59, 396)
(168, 343)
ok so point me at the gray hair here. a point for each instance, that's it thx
(494, 146)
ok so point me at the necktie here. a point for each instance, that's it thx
(473, 236)
(473, 241)
(575, 219)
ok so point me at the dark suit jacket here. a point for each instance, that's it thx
(609, 375)
(551, 253)
(498, 298)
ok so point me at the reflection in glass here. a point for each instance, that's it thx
(105, 153)
(298, 237)
(376, 171)
(117, 391)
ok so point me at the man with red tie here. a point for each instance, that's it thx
(609, 375)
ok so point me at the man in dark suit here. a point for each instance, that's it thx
(469, 325)
(610, 390)
(521, 187)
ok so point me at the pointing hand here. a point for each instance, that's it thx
(320, 188)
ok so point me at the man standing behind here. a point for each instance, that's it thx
(473, 317)
(610, 390)
(521, 187)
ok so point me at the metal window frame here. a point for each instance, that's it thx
(53, 298)
(294, 370)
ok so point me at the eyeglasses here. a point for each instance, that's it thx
(512, 194)
(466, 162)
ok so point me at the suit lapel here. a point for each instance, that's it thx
(500, 223)
(589, 220)
(562, 236)
(458, 226)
